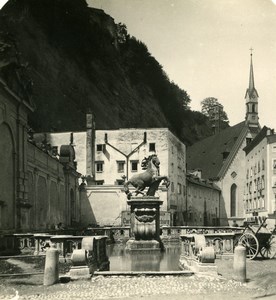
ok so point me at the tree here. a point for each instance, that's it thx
(211, 108)
(122, 34)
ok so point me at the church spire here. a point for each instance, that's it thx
(251, 97)
(251, 74)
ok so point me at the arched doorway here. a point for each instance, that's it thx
(7, 188)
(233, 200)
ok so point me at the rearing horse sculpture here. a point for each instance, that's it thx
(150, 178)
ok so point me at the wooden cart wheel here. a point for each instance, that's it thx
(250, 242)
(269, 250)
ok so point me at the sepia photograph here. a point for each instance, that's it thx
(137, 149)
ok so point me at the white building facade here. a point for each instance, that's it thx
(259, 197)
(109, 157)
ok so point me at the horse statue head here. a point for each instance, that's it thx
(150, 161)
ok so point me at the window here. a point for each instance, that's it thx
(134, 166)
(258, 184)
(172, 186)
(233, 194)
(250, 187)
(152, 147)
(263, 164)
(120, 182)
(100, 147)
(99, 166)
(233, 174)
(99, 182)
(248, 141)
(263, 183)
(179, 188)
(253, 108)
(120, 166)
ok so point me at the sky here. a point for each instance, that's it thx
(203, 46)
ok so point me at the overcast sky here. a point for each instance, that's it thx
(203, 46)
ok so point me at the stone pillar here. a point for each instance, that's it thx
(51, 272)
(239, 264)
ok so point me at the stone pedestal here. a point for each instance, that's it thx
(145, 224)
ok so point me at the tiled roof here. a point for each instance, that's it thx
(195, 180)
(207, 154)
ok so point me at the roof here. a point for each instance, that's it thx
(207, 154)
(205, 183)
(262, 134)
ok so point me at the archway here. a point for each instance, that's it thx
(7, 188)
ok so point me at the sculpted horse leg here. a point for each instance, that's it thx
(165, 178)
(139, 191)
(139, 188)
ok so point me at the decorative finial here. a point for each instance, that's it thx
(251, 50)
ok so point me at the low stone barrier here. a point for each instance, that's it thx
(196, 255)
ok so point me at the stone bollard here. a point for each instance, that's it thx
(51, 271)
(80, 269)
(239, 264)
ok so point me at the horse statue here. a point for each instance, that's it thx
(150, 178)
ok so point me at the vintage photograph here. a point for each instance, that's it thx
(137, 149)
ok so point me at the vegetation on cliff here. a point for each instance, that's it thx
(79, 60)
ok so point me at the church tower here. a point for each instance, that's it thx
(251, 97)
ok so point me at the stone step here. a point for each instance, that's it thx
(143, 273)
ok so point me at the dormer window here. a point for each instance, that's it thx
(225, 154)
(248, 141)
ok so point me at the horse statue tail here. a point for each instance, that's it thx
(126, 189)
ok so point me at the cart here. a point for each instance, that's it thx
(257, 239)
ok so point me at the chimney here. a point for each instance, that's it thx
(90, 145)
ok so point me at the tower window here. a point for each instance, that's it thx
(253, 108)
(151, 146)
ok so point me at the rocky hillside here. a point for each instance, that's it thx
(79, 60)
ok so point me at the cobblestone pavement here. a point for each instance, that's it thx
(119, 287)
(261, 283)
